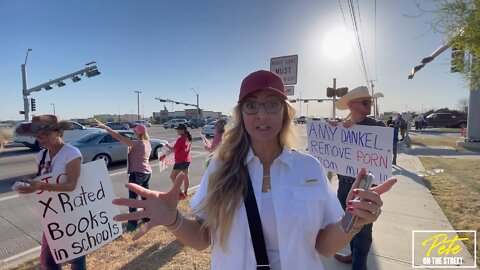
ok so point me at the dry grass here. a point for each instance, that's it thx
(6, 133)
(457, 191)
(437, 141)
(158, 249)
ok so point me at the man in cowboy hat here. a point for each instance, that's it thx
(359, 102)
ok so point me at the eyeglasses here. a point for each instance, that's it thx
(365, 102)
(45, 134)
(271, 107)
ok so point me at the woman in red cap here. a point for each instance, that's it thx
(139, 170)
(261, 204)
(56, 157)
(182, 148)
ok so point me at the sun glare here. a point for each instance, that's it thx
(337, 44)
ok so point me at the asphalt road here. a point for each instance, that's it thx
(20, 230)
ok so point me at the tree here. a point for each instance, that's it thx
(463, 104)
(459, 20)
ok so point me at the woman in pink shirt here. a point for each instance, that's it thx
(217, 137)
(139, 170)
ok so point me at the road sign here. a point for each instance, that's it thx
(290, 90)
(286, 67)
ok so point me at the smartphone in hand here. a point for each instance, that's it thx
(349, 219)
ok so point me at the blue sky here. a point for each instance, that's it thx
(165, 48)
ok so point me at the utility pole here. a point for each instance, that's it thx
(375, 104)
(300, 101)
(138, 103)
(199, 113)
(334, 97)
(53, 104)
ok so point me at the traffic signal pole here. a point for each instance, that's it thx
(26, 106)
(89, 71)
(334, 97)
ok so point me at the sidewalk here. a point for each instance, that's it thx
(408, 206)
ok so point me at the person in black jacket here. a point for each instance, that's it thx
(359, 102)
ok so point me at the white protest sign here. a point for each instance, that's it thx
(166, 157)
(81, 221)
(286, 67)
(346, 150)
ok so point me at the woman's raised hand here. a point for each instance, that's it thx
(159, 207)
(99, 124)
(368, 206)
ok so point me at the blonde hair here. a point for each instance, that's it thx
(143, 137)
(227, 185)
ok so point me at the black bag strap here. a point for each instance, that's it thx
(42, 162)
(255, 225)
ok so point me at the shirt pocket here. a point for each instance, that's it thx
(309, 207)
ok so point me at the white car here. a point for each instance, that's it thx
(143, 122)
(68, 135)
(209, 129)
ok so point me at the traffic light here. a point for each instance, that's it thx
(330, 92)
(34, 106)
(162, 100)
(342, 91)
(458, 59)
(92, 73)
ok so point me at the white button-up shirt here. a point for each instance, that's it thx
(304, 203)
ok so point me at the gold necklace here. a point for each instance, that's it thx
(266, 184)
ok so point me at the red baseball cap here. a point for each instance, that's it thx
(261, 80)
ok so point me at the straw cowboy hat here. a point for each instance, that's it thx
(42, 123)
(357, 93)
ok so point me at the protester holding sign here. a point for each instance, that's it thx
(182, 157)
(359, 102)
(217, 136)
(139, 170)
(255, 164)
(57, 158)
(217, 139)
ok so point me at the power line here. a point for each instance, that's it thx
(352, 41)
(359, 44)
(375, 46)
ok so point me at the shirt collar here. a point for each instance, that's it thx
(285, 157)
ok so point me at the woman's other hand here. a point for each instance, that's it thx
(368, 207)
(159, 207)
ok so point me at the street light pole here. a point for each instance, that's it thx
(53, 104)
(138, 103)
(198, 105)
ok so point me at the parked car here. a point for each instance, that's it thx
(68, 135)
(143, 122)
(301, 120)
(174, 123)
(196, 122)
(118, 125)
(101, 145)
(209, 129)
(445, 120)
